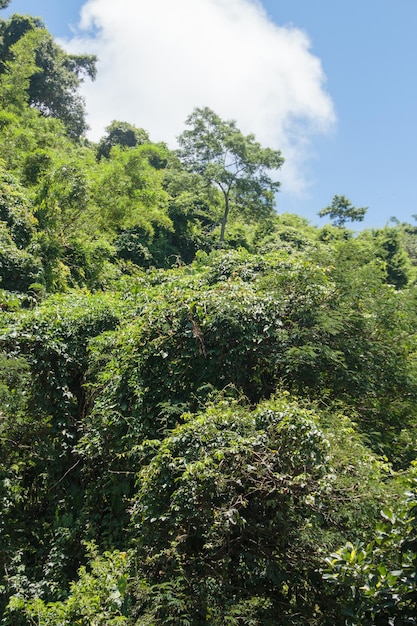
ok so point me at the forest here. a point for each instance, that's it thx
(208, 408)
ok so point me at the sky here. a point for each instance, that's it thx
(333, 85)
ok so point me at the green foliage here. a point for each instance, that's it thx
(261, 322)
(237, 165)
(19, 70)
(98, 597)
(89, 262)
(284, 232)
(370, 325)
(9, 301)
(57, 95)
(214, 426)
(28, 141)
(36, 70)
(121, 134)
(62, 197)
(129, 193)
(53, 337)
(221, 509)
(41, 474)
(15, 210)
(392, 251)
(19, 269)
(15, 28)
(20, 265)
(342, 210)
(193, 212)
(380, 576)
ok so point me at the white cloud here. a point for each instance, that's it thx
(158, 59)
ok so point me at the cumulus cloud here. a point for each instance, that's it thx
(158, 59)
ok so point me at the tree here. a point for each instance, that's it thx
(54, 90)
(222, 509)
(54, 83)
(12, 30)
(129, 190)
(392, 251)
(235, 163)
(121, 134)
(4, 4)
(18, 70)
(342, 210)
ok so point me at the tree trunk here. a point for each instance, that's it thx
(225, 217)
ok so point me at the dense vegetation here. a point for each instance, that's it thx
(208, 409)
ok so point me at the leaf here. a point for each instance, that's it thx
(388, 515)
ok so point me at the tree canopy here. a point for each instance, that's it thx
(55, 75)
(342, 210)
(121, 134)
(237, 164)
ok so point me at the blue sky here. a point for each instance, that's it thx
(344, 92)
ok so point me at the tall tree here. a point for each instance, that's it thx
(53, 87)
(18, 72)
(342, 210)
(121, 134)
(235, 163)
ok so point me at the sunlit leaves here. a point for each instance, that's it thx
(237, 165)
(223, 495)
(382, 574)
(342, 210)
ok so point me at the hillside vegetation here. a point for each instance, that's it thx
(208, 409)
